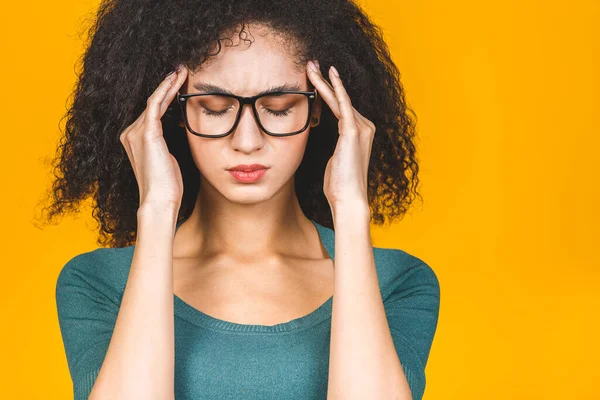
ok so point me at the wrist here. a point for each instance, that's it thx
(156, 213)
(355, 211)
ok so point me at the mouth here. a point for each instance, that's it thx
(247, 176)
(247, 167)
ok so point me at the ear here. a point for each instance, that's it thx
(315, 115)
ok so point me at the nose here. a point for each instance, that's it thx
(247, 136)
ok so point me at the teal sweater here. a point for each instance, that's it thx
(216, 359)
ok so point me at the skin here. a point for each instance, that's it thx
(280, 253)
(250, 241)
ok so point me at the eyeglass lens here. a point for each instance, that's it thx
(278, 114)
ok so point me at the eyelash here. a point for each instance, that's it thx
(279, 113)
(283, 113)
(214, 113)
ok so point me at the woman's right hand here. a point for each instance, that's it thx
(156, 170)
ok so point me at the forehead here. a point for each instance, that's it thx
(247, 68)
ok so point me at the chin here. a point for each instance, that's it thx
(248, 194)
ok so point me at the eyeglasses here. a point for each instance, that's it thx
(215, 115)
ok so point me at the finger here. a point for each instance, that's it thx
(324, 89)
(134, 129)
(139, 121)
(356, 113)
(363, 120)
(160, 94)
(181, 77)
(319, 71)
(345, 105)
(123, 138)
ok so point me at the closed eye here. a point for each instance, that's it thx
(281, 113)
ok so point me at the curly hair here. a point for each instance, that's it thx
(134, 43)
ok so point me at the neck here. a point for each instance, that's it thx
(261, 232)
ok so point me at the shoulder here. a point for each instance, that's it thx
(411, 296)
(103, 271)
(399, 271)
(89, 290)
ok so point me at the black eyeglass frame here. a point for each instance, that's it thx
(182, 100)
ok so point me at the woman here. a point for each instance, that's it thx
(254, 166)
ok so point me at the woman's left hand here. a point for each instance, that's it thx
(345, 181)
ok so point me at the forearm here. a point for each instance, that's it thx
(363, 360)
(140, 359)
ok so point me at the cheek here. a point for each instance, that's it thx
(284, 154)
(293, 151)
(206, 156)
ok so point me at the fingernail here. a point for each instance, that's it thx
(312, 66)
(335, 71)
(169, 74)
(317, 64)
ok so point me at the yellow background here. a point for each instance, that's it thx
(507, 96)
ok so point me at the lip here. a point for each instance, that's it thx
(247, 167)
(249, 176)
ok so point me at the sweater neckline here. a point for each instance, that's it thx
(191, 314)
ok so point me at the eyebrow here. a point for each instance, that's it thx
(209, 87)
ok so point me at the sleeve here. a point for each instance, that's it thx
(412, 310)
(86, 318)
